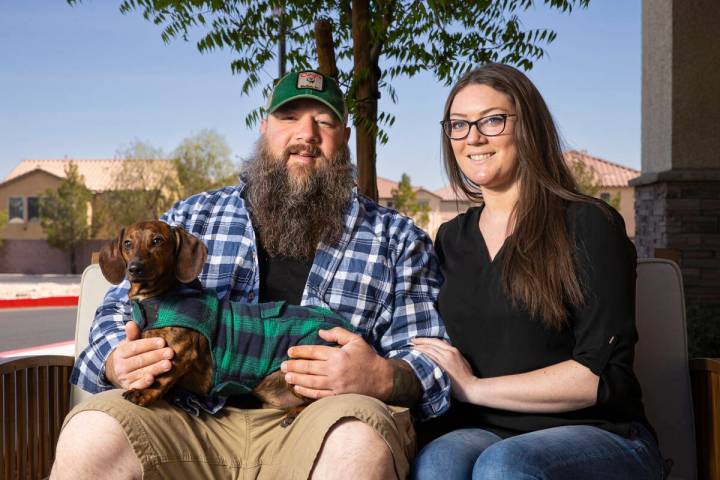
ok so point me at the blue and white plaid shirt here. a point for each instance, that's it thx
(382, 276)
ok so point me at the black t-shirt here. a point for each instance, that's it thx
(282, 278)
(500, 339)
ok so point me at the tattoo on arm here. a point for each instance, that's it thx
(407, 389)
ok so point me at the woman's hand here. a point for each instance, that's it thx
(452, 361)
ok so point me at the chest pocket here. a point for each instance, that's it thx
(361, 291)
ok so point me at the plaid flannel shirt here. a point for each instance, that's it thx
(382, 276)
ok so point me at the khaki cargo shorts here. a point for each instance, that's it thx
(246, 443)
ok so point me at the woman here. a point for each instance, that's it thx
(539, 301)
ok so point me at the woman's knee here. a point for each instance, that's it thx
(508, 460)
(452, 455)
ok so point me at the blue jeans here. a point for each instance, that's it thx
(569, 452)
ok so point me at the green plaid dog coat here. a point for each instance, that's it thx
(247, 341)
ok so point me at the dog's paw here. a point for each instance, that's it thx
(139, 397)
(288, 420)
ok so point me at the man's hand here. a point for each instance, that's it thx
(136, 362)
(319, 371)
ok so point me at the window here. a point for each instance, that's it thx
(605, 196)
(33, 208)
(16, 210)
(390, 204)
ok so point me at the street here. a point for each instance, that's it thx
(29, 327)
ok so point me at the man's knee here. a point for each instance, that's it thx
(354, 449)
(93, 442)
(351, 433)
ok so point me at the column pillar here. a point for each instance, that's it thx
(677, 197)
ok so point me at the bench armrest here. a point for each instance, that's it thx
(705, 378)
(35, 399)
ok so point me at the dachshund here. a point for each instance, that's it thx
(157, 259)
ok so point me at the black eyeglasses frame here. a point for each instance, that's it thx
(476, 123)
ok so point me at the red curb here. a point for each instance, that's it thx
(39, 302)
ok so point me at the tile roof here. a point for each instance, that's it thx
(447, 194)
(385, 188)
(98, 174)
(609, 174)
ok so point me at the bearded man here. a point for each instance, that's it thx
(293, 230)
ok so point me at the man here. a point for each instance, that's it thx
(294, 229)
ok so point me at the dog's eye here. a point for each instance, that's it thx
(127, 244)
(157, 240)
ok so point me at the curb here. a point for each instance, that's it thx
(39, 302)
(66, 347)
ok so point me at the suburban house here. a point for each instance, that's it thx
(25, 249)
(613, 181)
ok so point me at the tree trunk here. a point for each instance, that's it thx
(366, 95)
(325, 48)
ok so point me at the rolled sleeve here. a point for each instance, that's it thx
(417, 284)
(604, 325)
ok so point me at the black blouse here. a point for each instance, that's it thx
(500, 339)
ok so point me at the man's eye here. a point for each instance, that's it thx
(458, 124)
(325, 121)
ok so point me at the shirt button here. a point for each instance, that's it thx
(251, 296)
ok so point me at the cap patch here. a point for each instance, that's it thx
(312, 80)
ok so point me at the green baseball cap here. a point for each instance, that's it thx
(308, 84)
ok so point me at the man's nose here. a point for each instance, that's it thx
(307, 130)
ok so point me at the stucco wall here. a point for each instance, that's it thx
(32, 185)
(36, 256)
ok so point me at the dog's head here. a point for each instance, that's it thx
(154, 256)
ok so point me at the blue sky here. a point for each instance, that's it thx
(85, 81)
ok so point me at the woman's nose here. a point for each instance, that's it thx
(475, 137)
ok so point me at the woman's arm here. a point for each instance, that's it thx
(562, 387)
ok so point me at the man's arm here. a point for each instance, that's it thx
(406, 388)
(106, 332)
(416, 288)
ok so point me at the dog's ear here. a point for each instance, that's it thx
(191, 255)
(112, 263)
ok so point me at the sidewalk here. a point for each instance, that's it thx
(18, 286)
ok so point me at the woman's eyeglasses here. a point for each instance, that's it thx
(490, 126)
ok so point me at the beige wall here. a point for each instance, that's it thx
(31, 185)
(441, 210)
(627, 206)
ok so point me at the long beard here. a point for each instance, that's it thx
(292, 214)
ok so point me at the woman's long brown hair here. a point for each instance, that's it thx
(538, 270)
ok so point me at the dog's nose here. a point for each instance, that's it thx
(135, 268)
